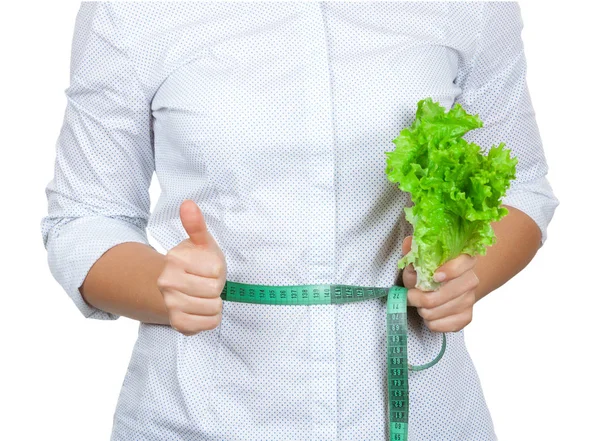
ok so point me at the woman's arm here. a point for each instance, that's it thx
(517, 240)
(123, 281)
(99, 196)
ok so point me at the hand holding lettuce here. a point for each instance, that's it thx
(456, 189)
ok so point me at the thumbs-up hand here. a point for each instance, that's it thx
(194, 276)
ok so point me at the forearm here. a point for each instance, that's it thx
(123, 281)
(517, 241)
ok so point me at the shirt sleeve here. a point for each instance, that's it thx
(99, 195)
(494, 86)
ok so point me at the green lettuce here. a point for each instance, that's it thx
(456, 190)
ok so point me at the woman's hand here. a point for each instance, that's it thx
(450, 308)
(194, 276)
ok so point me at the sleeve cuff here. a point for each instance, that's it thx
(536, 199)
(75, 246)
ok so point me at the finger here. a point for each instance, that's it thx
(423, 299)
(406, 245)
(455, 267)
(452, 307)
(453, 323)
(432, 299)
(198, 261)
(196, 286)
(194, 224)
(409, 276)
(178, 301)
(194, 323)
(205, 265)
(467, 281)
(448, 291)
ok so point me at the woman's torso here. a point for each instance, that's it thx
(274, 118)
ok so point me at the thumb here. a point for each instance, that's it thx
(406, 245)
(194, 224)
(409, 276)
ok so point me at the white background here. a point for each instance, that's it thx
(534, 341)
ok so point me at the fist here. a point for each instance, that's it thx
(449, 308)
(194, 276)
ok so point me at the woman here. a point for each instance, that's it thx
(273, 120)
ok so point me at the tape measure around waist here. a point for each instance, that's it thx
(397, 330)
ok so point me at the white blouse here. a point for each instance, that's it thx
(274, 117)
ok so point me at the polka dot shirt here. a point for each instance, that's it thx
(274, 118)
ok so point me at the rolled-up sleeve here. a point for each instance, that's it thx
(494, 86)
(99, 195)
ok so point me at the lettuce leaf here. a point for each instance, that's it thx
(456, 190)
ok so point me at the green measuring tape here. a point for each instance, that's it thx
(397, 330)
